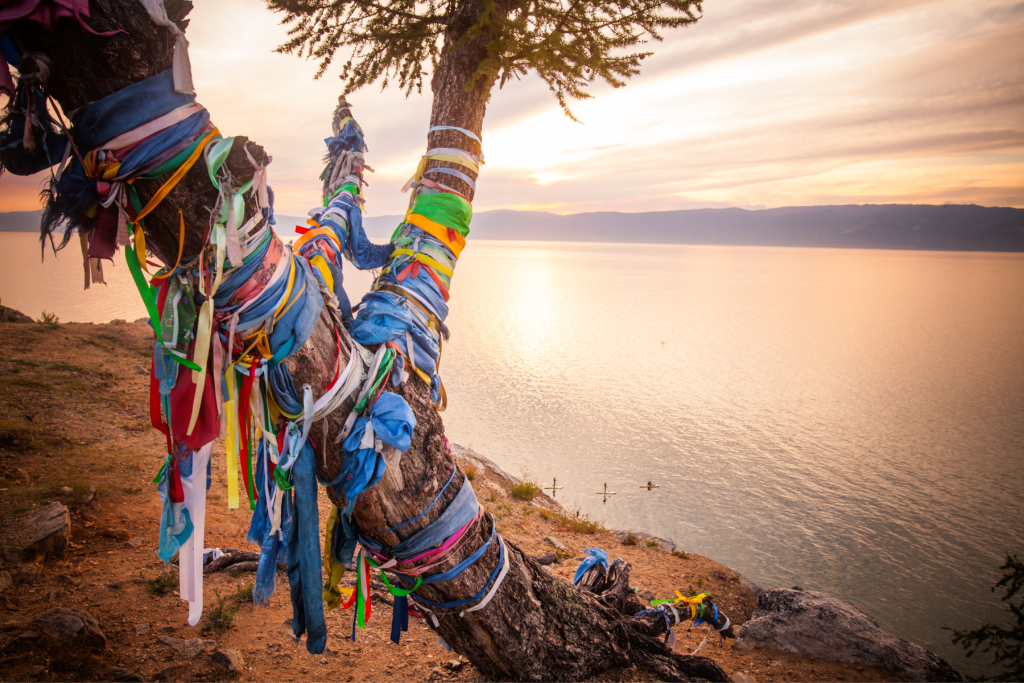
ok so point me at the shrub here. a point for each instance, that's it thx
(579, 523)
(630, 539)
(221, 615)
(681, 554)
(525, 490)
(653, 544)
(162, 584)
(48, 318)
(471, 471)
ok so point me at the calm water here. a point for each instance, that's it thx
(852, 421)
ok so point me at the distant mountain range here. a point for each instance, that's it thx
(870, 226)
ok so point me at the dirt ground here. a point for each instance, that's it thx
(74, 414)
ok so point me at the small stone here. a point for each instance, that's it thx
(116, 534)
(55, 595)
(5, 581)
(548, 558)
(169, 674)
(121, 675)
(27, 635)
(116, 585)
(11, 554)
(134, 543)
(740, 677)
(37, 672)
(8, 603)
(288, 622)
(45, 531)
(31, 578)
(168, 629)
(186, 649)
(141, 628)
(454, 664)
(66, 490)
(438, 671)
(323, 660)
(555, 543)
(645, 594)
(229, 660)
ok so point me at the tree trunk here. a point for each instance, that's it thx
(538, 626)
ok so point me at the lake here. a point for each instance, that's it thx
(851, 421)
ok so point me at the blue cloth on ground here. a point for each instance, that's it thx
(594, 556)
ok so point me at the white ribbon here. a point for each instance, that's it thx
(181, 66)
(497, 583)
(190, 555)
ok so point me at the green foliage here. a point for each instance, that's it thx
(568, 43)
(681, 554)
(525, 490)
(631, 539)
(242, 594)
(162, 584)
(1005, 644)
(471, 472)
(653, 544)
(221, 616)
(48, 318)
(579, 523)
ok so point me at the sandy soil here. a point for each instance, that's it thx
(74, 414)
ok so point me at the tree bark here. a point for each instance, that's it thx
(538, 626)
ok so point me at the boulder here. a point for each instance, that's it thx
(229, 660)
(63, 624)
(186, 649)
(44, 531)
(555, 543)
(814, 624)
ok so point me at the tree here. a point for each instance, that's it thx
(537, 627)
(1005, 644)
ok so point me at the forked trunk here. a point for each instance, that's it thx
(537, 626)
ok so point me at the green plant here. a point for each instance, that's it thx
(221, 616)
(630, 539)
(544, 514)
(525, 491)
(242, 594)
(681, 554)
(48, 318)
(471, 471)
(652, 544)
(1005, 644)
(162, 583)
(492, 497)
(579, 523)
(700, 582)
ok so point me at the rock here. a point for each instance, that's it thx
(30, 578)
(229, 660)
(55, 595)
(10, 554)
(26, 636)
(63, 624)
(45, 530)
(323, 660)
(8, 603)
(116, 534)
(121, 674)
(9, 315)
(741, 677)
(141, 629)
(438, 671)
(186, 649)
(168, 629)
(5, 581)
(549, 558)
(453, 664)
(817, 625)
(66, 490)
(645, 594)
(116, 585)
(37, 672)
(134, 543)
(556, 544)
(171, 673)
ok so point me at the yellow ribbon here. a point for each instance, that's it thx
(439, 231)
(424, 259)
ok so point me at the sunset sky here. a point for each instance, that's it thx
(760, 104)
